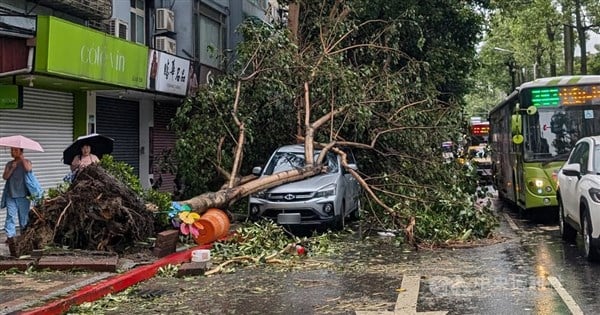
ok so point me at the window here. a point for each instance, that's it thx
(138, 21)
(211, 37)
(580, 156)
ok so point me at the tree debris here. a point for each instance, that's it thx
(97, 212)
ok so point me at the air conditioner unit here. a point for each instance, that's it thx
(165, 20)
(166, 44)
(119, 28)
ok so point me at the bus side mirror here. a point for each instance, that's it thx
(516, 128)
(531, 110)
(517, 139)
(515, 124)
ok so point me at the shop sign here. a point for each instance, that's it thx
(168, 73)
(11, 96)
(71, 50)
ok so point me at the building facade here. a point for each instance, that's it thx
(119, 68)
(115, 67)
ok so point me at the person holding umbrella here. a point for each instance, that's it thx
(84, 151)
(84, 159)
(15, 192)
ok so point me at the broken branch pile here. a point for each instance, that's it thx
(97, 212)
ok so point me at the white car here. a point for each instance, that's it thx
(325, 199)
(578, 196)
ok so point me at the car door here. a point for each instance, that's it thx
(569, 184)
(352, 185)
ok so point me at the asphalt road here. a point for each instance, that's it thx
(528, 270)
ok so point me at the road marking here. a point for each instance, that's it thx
(566, 297)
(406, 304)
(511, 222)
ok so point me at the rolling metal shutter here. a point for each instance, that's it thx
(47, 117)
(164, 140)
(119, 119)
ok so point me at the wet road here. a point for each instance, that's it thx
(529, 271)
(549, 255)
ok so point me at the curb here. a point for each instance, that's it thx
(115, 284)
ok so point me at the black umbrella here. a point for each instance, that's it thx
(99, 144)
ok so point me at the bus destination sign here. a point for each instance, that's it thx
(480, 129)
(577, 95)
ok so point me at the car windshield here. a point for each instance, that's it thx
(285, 161)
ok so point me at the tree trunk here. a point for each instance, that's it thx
(568, 41)
(581, 36)
(550, 31)
(293, 16)
(224, 198)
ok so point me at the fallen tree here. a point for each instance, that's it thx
(341, 81)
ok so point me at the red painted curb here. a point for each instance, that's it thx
(115, 284)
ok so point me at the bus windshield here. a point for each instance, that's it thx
(553, 131)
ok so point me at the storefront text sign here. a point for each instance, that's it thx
(11, 96)
(168, 73)
(71, 50)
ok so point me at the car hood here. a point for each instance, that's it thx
(309, 184)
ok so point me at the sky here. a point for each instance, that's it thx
(594, 39)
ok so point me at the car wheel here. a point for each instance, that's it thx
(589, 247)
(355, 215)
(567, 232)
(341, 218)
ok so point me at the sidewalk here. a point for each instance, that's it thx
(54, 292)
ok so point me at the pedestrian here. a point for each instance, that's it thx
(14, 196)
(84, 159)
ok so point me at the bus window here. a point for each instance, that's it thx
(552, 132)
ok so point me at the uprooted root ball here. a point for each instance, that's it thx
(97, 212)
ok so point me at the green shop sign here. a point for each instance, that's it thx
(11, 96)
(71, 50)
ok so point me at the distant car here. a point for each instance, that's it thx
(325, 199)
(448, 148)
(578, 196)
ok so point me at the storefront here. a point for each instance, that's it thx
(89, 82)
(47, 117)
(58, 77)
(172, 75)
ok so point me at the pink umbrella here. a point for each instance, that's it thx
(22, 142)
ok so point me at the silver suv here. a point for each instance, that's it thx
(323, 199)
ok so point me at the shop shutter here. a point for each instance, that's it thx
(119, 119)
(47, 117)
(164, 140)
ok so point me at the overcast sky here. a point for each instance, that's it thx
(593, 40)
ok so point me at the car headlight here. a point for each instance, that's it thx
(595, 194)
(326, 192)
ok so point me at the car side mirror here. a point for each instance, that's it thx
(571, 170)
(256, 170)
(353, 166)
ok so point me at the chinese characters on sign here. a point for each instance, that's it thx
(167, 73)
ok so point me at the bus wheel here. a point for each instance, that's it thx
(567, 232)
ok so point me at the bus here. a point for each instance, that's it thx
(532, 132)
(477, 150)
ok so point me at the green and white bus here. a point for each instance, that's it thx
(532, 132)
